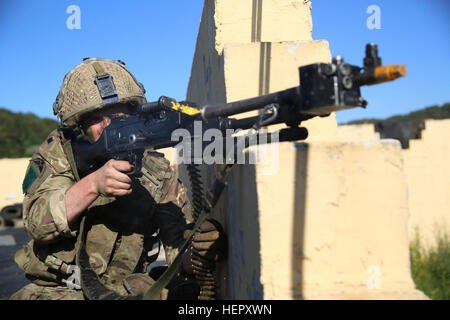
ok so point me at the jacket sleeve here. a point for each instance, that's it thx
(46, 181)
(45, 216)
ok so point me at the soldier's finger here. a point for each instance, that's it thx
(201, 246)
(121, 177)
(206, 236)
(122, 166)
(117, 185)
(121, 192)
(207, 226)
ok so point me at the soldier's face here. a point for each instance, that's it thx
(96, 126)
(98, 120)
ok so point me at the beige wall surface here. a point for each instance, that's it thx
(428, 176)
(357, 132)
(230, 65)
(326, 224)
(320, 222)
(238, 21)
(12, 172)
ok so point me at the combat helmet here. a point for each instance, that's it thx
(93, 84)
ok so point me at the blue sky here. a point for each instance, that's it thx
(157, 40)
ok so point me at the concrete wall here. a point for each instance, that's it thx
(327, 225)
(12, 172)
(357, 132)
(231, 63)
(322, 224)
(428, 176)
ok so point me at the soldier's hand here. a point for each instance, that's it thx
(111, 180)
(210, 241)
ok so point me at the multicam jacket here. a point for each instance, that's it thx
(120, 229)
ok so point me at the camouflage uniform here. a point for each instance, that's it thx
(119, 232)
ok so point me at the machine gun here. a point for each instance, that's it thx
(324, 88)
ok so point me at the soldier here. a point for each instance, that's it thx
(120, 213)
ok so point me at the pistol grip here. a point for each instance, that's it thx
(136, 162)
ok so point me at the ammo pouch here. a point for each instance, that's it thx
(155, 172)
(45, 265)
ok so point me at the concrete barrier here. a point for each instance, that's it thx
(12, 172)
(331, 221)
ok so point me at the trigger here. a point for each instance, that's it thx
(134, 161)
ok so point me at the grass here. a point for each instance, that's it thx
(430, 267)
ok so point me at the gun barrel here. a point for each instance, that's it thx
(228, 109)
(381, 74)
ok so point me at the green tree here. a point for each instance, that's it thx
(433, 112)
(21, 134)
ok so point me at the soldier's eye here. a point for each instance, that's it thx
(94, 120)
